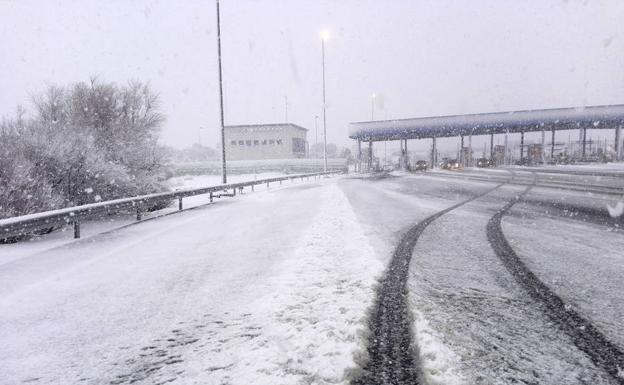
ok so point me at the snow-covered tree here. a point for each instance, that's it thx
(86, 142)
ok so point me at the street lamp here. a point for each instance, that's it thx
(199, 135)
(223, 172)
(316, 136)
(373, 96)
(324, 36)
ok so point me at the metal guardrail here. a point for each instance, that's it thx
(31, 223)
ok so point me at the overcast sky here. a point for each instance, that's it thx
(422, 58)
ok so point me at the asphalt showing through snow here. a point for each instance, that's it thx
(583, 333)
(391, 355)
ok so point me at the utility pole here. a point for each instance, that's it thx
(373, 96)
(324, 36)
(316, 136)
(223, 170)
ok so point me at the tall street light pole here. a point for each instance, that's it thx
(324, 36)
(316, 136)
(223, 171)
(373, 96)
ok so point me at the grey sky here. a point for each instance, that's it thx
(422, 57)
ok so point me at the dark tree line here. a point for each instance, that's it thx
(83, 143)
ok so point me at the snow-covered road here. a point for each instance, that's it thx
(269, 288)
(278, 286)
(473, 323)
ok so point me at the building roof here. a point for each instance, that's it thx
(267, 127)
(595, 117)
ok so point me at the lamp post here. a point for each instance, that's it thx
(223, 171)
(316, 136)
(324, 36)
(199, 135)
(373, 96)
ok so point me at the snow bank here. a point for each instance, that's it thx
(438, 362)
(325, 291)
(310, 323)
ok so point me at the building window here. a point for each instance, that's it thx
(248, 142)
(271, 141)
(279, 141)
(298, 147)
(233, 143)
(256, 142)
(241, 142)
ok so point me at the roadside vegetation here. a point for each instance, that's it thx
(81, 143)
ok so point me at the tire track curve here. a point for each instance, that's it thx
(585, 336)
(391, 355)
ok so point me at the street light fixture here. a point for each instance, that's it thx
(324, 36)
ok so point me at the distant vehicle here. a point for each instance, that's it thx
(421, 165)
(485, 162)
(451, 164)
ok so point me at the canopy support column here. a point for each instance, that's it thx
(359, 156)
(506, 155)
(405, 159)
(370, 156)
(521, 148)
(491, 146)
(470, 150)
(543, 152)
(552, 145)
(434, 153)
(461, 150)
(618, 145)
(584, 141)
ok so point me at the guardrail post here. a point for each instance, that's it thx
(280, 182)
(180, 203)
(267, 185)
(211, 197)
(76, 229)
(139, 213)
(234, 191)
(252, 188)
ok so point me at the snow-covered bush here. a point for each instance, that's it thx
(84, 143)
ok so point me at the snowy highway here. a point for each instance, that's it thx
(386, 279)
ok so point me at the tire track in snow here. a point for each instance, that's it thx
(391, 354)
(586, 337)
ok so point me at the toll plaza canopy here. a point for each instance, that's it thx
(595, 117)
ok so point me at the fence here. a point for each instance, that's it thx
(307, 165)
(32, 223)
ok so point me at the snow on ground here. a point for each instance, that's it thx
(91, 227)
(479, 326)
(311, 324)
(608, 167)
(196, 181)
(13, 251)
(273, 287)
(270, 287)
(387, 206)
(585, 267)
